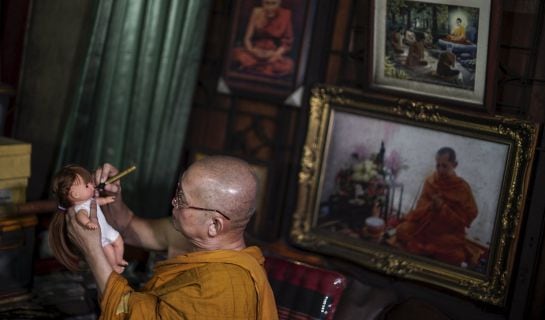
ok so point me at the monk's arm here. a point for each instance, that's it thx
(423, 205)
(149, 234)
(248, 35)
(286, 40)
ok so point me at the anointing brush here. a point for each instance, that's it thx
(116, 177)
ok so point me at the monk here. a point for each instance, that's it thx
(395, 40)
(417, 52)
(458, 34)
(210, 273)
(267, 41)
(446, 207)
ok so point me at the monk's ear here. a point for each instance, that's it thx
(215, 227)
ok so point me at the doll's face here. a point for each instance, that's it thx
(81, 191)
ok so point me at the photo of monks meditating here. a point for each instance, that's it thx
(432, 43)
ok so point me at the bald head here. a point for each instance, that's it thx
(224, 183)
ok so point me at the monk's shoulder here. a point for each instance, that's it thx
(210, 277)
(211, 291)
(218, 270)
(227, 280)
(462, 183)
(283, 12)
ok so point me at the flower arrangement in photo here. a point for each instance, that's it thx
(365, 180)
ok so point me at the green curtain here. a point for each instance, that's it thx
(133, 101)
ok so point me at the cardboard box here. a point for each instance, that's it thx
(14, 159)
(14, 170)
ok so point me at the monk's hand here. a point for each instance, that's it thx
(263, 53)
(87, 240)
(104, 173)
(437, 201)
(278, 54)
(275, 57)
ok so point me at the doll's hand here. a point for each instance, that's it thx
(105, 200)
(91, 225)
(109, 199)
(87, 240)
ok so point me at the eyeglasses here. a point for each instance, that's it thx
(179, 202)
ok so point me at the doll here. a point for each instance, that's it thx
(73, 186)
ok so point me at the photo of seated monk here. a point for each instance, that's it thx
(436, 227)
(267, 41)
(458, 34)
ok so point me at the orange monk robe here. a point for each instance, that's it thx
(222, 284)
(440, 233)
(416, 55)
(270, 33)
(458, 34)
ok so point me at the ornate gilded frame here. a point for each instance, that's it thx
(515, 138)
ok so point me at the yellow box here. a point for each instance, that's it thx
(13, 190)
(14, 159)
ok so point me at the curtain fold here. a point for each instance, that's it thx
(135, 94)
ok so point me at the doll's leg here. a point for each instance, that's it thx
(118, 251)
(109, 252)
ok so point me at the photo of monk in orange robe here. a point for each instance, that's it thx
(437, 226)
(267, 41)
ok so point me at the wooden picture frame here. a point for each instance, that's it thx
(371, 190)
(444, 51)
(250, 68)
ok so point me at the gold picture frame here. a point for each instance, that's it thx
(368, 166)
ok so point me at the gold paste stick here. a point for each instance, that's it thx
(116, 177)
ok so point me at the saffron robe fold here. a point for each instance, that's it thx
(440, 232)
(221, 284)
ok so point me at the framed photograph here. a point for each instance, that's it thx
(440, 49)
(268, 48)
(414, 190)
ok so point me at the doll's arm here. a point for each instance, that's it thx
(105, 200)
(83, 219)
